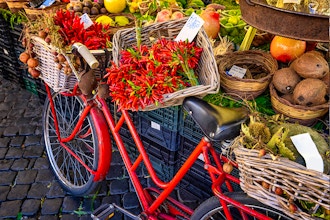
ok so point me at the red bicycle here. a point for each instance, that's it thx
(78, 145)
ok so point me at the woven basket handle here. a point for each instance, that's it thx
(86, 54)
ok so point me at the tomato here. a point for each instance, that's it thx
(286, 49)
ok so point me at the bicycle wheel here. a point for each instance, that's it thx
(211, 208)
(91, 145)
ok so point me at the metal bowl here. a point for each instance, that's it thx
(292, 24)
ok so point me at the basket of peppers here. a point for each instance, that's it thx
(150, 70)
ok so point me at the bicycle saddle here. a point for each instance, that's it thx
(216, 122)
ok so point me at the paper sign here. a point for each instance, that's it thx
(156, 126)
(47, 3)
(87, 21)
(308, 150)
(291, 2)
(191, 28)
(237, 71)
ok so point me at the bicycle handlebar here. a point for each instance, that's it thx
(86, 54)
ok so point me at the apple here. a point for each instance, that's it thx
(211, 22)
(177, 15)
(163, 15)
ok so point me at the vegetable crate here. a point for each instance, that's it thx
(189, 129)
(206, 70)
(163, 160)
(263, 177)
(55, 78)
(197, 175)
(169, 118)
(164, 137)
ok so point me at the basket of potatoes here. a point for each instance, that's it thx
(301, 90)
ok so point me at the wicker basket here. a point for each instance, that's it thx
(206, 70)
(297, 113)
(294, 179)
(33, 13)
(55, 78)
(3, 4)
(246, 88)
(17, 5)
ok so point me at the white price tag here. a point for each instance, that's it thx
(190, 29)
(47, 3)
(156, 126)
(237, 71)
(86, 20)
(291, 1)
(308, 150)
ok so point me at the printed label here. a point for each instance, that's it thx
(308, 150)
(291, 1)
(156, 126)
(87, 21)
(237, 71)
(191, 28)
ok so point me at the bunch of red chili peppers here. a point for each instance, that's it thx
(145, 73)
(72, 30)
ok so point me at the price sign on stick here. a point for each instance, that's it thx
(190, 29)
(86, 20)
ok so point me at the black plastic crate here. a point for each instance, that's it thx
(113, 109)
(197, 175)
(163, 160)
(8, 52)
(170, 157)
(191, 193)
(5, 38)
(169, 118)
(165, 171)
(191, 131)
(15, 35)
(12, 63)
(152, 131)
(18, 50)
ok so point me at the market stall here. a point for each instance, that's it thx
(235, 58)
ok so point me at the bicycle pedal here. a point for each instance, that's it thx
(104, 212)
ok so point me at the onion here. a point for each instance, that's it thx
(34, 73)
(227, 167)
(42, 34)
(61, 58)
(23, 57)
(32, 62)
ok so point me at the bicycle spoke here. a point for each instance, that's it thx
(70, 162)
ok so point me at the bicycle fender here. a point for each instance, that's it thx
(104, 143)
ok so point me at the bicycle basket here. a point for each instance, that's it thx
(206, 70)
(282, 184)
(56, 78)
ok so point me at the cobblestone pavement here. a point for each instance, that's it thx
(28, 189)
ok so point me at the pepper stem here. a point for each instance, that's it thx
(190, 74)
(138, 28)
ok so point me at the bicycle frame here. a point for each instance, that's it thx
(149, 205)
